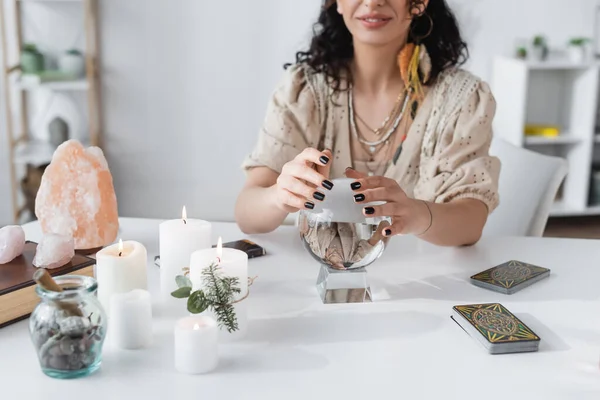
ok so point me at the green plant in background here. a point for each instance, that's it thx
(539, 41)
(73, 52)
(30, 47)
(579, 41)
(217, 295)
(521, 52)
(31, 60)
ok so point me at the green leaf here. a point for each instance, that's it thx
(182, 292)
(197, 302)
(183, 281)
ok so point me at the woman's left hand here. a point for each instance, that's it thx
(409, 216)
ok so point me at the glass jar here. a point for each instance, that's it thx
(68, 328)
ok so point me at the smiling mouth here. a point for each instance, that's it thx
(374, 19)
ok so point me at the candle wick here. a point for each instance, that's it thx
(120, 253)
(184, 222)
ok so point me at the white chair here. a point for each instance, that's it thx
(528, 185)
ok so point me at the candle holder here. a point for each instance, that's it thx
(345, 242)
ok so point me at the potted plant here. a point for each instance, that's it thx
(539, 49)
(72, 63)
(32, 61)
(577, 49)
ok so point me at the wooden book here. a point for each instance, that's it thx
(17, 288)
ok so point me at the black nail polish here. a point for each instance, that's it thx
(388, 232)
(369, 210)
(324, 159)
(309, 205)
(327, 185)
(355, 185)
(319, 196)
(359, 197)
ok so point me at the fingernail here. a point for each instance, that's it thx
(388, 232)
(327, 185)
(369, 210)
(324, 159)
(355, 185)
(349, 168)
(359, 197)
(319, 196)
(309, 205)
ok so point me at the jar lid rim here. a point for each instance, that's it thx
(73, 286)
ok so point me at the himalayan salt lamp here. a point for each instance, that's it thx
(12, 242)
(54, 251)
(77, 197)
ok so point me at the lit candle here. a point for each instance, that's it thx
(196, 345)
(131, 319)
(179, 238)
(120, 268)
(231, 262)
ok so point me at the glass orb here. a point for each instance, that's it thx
(336, 233)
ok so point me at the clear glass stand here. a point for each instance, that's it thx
(343, 286)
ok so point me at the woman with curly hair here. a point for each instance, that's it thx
(379, 97)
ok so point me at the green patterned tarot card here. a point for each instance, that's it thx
(510, 277)
(496, 324)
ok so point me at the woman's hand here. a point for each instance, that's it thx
(302, 181)
(409, 216)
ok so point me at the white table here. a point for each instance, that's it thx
(402, 346)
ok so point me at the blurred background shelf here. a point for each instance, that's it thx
(558, 97)
(41, 69)
(563, 138)
(561, 209)
(74, 85)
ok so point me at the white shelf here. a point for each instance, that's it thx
(560, 139)
(77, 85)
(561, 209)
(551, 64)
(35, 152)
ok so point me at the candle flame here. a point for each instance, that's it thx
(196, 327)
(220, 248)
(184, 215)
(120, 247)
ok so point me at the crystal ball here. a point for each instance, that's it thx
(337, 233)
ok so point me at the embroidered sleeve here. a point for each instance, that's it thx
(291, 123)
(461, 166)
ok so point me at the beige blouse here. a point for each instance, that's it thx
(445, 155)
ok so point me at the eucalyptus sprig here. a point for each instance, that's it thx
(217, 295)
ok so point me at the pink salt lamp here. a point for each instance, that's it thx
(12, 242)
(77, 197)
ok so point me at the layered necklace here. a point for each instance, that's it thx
(394, 118)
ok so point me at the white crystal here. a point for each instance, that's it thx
(54, 251)
(12, 242)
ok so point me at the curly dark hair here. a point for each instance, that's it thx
(331, 49)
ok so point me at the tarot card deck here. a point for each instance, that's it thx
(510, 277)
(496, 328)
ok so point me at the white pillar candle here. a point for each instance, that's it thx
(120, 268)
(131, 319)
(178, 240)
(196, 345)
(232, 262)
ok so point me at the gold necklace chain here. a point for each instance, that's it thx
(387, 120)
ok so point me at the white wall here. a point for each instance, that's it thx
(185, 85)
